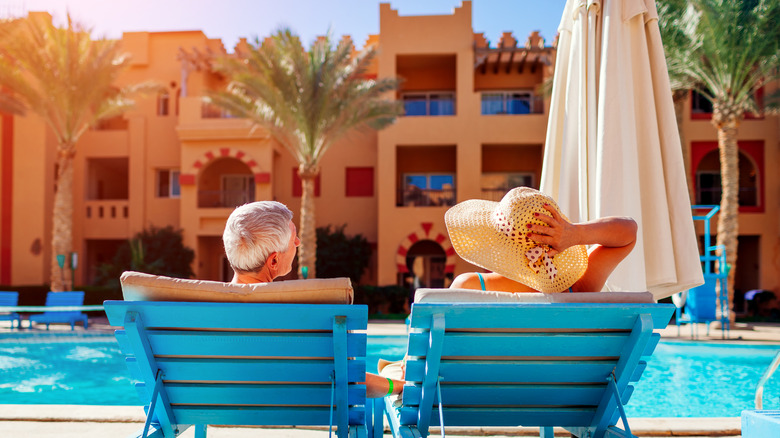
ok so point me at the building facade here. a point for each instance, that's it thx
(474, 127)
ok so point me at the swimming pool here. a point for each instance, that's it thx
(683, 379)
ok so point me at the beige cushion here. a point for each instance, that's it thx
(137, 286)
(478, 296)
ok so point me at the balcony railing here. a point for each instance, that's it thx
(415, 197)
(497, 104)
(107, 209)
(210, 111)
(224, 198)
(429, 104)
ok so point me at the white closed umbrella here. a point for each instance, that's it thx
(612, 146)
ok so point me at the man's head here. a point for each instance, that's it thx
(261, 235)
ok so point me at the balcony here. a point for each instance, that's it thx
(427, 190)
(429, 104)
(210, 111)
(202, 121)
(511, 103)
(107, 219)
(417, 197)
(425, 176)
(224, 198)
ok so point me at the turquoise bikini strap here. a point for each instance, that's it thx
(481, 281)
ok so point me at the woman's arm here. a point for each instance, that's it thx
(615, 237)
(559, 234)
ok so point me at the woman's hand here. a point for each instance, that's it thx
(558, 234)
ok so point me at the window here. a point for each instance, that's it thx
(421, 189)
(360, 182)
(708, 188)
(168, 183)
(298, 186)
(510, 102)
(496, 184)
(163, 99)
(701, 107)
(429, 104)
(708, 182)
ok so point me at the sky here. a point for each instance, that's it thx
(233, 19)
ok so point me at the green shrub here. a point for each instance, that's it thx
(341, 256)
(383, 300)
(158, 251)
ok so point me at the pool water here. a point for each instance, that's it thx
(84, 369)
(683, 379)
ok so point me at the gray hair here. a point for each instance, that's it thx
(254, 231)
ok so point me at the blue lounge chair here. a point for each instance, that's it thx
(760, 424)
(10, 299)
(219, 363)
(540, 364)
(60, 299)
(700, 306)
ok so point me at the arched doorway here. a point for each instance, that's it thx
(426, 261)
(225, 182)
(708, 184)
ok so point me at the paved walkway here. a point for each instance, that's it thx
(64, 421)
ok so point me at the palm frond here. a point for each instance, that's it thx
(306, 99)
(63, 75)
(724, 49)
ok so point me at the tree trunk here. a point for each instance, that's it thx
(62, 223)
(307, 252)
(728, 218)
(679, 99)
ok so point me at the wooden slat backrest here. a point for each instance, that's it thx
(508, 364)
(249, 364)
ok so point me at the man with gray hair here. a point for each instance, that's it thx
(260, 243)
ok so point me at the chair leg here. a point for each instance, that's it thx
(379, 417)
(546, 432)
(200, 430)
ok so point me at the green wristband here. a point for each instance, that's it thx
(390, 390)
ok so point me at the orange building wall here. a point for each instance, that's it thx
(431, 53)
(32, 193)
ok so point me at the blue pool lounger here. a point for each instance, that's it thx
(538, 360)
(760, 424)
(10, 299)
(242, 363)
(245, 363)
(71, 298)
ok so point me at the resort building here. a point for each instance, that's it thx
(474, 127)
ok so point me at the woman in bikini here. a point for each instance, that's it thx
(528, 245)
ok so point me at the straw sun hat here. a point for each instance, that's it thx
(492, 235)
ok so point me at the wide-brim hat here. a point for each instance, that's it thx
(492, 235)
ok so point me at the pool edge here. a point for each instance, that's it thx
(662, 426)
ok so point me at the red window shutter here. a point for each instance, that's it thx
(360, 182)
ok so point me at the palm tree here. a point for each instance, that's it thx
(68, 80)
(727, 50)
(307, 101)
